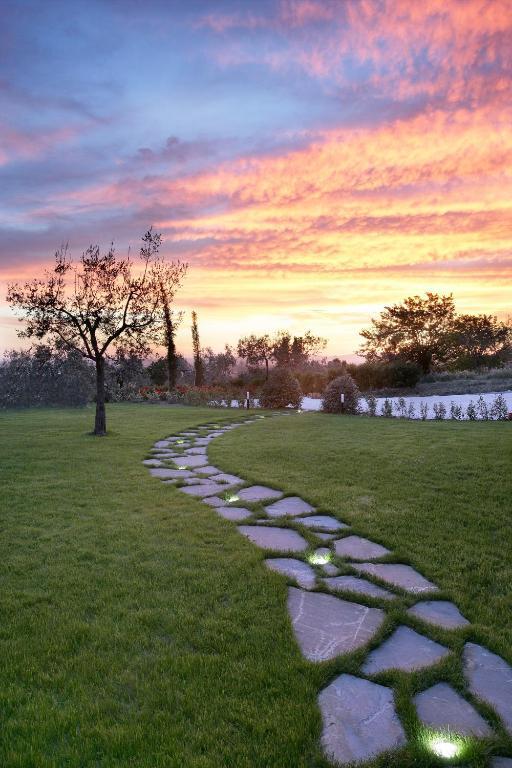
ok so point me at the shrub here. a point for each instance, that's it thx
(439, 411)
(345, 385)
(387, 408)
(482, 408)
(471, 411)
(401, 408)
(281, 389)
(403, 374)
(455, 411)
(411, 411)
(423, 411)
(499, 409)
(371, 402)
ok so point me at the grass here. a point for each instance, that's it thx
(139, 629)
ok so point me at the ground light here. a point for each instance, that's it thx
(179, 442)
(319, 558)
(231, 498)
(183, 466)
(445, 745)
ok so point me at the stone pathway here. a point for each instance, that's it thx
(333, 614)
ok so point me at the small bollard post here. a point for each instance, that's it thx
(247, 401)
(342, 401)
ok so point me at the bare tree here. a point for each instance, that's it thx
(105, 305)
(196, 347)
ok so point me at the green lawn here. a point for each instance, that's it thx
(139, 629)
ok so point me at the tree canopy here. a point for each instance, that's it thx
(100, 303)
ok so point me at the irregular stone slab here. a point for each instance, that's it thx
(442, 708)
(202, 441)
(197, 481)
(152, 463)
(165, 456)
(215, 501)
(357, 548)
(303, 574)
(161, 444)
(289, 507)
(440, 613)
(208, 470)
(227, 479)
(502, 762)
(324, 536)
(360, 586)
(406, 650)
(208, 489)
(277, 539)
(321, 522)
(490, 679)
(326, 627)
(359, 720)
(195, 451)
(330, 569)
(192, 461)
(166, 474)
(188, 434)
(233, 513)
(259, 493)
(398, 575)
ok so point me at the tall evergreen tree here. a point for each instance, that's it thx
(196, 347)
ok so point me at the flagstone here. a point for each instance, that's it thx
(233, 513)
(289, 506)
(228, 479)
(208, 489)
(490, 679)
(441, 708)
(303, 574)
(358, 548)
(161, 444)
(440, 613)
(200, 451)
(259, 493)
(326, 627)
(502, 762)
(165, 474)
(215, 501)
(192, 461)
(277, 539)
(398, 575)
(208, 470)
(152, 463)
(324, 536)
(358, 585)
(322, 523)
(405, 650)
(330, 569)
(359, 720)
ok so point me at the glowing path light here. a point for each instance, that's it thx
(319, 558)
(231, 498)
(443, 747)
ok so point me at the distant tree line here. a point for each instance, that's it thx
(92, 342)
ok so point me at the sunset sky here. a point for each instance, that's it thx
(312, 160)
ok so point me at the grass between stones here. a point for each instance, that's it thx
(140, 629)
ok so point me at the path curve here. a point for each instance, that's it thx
(334, 614)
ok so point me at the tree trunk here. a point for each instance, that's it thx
(266, 369)
(100, 422)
